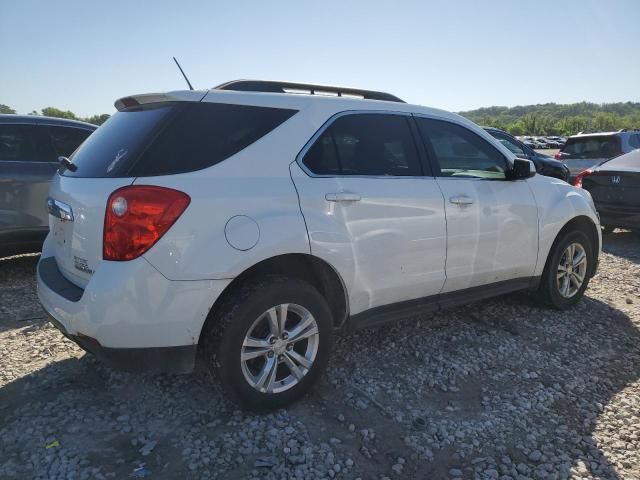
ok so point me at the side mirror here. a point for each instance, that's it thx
(522, 169)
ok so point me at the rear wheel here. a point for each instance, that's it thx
(568, 271)
(270, 341)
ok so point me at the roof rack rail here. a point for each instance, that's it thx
(304, 88)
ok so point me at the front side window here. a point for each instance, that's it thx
(461, 153)
(365, 144)
(16, 143)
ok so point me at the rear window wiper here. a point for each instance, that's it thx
(67, 164)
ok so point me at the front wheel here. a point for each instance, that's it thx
(270, 341)
(568, 271)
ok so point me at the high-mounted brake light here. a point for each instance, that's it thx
(578, 181)
(137, 216)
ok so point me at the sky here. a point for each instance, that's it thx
(451, 54)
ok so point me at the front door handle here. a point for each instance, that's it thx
(342, 197)
(461, 200)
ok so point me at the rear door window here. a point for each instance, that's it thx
(171, 138)
(65, 140)
(365, 144)
(591, 147)
(16, 143)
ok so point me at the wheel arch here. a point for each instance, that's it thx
(586, 225)
(305, 267)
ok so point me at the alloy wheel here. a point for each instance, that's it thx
(572, 270)
(279, 348)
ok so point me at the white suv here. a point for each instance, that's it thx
(248, 222)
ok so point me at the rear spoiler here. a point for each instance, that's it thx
(146, 98)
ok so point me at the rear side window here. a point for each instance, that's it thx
(171, 138)
(65, 140)
(16, 143)
(203, 134)
(365, 144)
(460, 152)
(591, 147)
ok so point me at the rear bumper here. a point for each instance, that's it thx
(623, 217)
(129, 314)
(179, 359)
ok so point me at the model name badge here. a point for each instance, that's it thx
(82, 265)
(615, 179)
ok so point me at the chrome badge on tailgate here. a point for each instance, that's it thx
(60, 210)
(82, 265)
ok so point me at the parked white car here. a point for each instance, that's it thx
(248, 222)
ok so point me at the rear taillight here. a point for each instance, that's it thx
(137, 216)
(558, 156)
(578, 180)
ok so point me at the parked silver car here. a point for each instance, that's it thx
(29, 151)
(587, 150)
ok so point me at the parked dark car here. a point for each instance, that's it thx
(29, 151)
(615, 188)
(545, 165)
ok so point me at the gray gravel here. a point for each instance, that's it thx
(502, 389)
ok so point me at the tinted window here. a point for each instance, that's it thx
(112, 149)
(365, 144)
(509, 143)
(203, 134)
(65, 140)
(630, 160)
(460, 152)
(170, 138)
(591, 147)
(634, 140)
(16, 142)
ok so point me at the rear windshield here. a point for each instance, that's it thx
(171, 138)
(630, 160)
(591, 147)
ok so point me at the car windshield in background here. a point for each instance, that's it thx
(591, 147)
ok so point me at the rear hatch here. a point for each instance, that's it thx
(582, 152)
(78, 196)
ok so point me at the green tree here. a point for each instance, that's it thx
(6, 109)
(56, 112)
(97, 119)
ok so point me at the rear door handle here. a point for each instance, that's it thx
(342, 197)
(461, 200)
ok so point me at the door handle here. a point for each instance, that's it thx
(342, 197)
(461, 200)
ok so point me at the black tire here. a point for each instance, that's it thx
(225, 332)
(549, 290)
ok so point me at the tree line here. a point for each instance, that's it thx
(558, 119)
(56, 112)
(544, 119)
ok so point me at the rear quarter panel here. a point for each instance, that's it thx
(254, 183)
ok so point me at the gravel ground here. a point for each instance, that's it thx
(501, 389)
